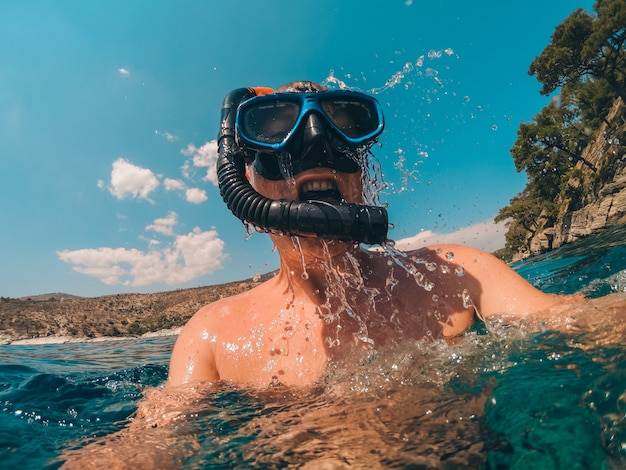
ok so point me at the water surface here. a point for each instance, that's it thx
(508, 395)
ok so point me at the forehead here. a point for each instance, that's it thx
(301, 87)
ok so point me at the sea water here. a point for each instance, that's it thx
(505, 396)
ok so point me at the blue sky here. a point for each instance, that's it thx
(108, 111)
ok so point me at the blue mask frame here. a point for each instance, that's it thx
(268, 123)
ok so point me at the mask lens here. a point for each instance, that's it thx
(269, 122)
(353, 116)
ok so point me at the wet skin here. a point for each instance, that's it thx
(331, 297)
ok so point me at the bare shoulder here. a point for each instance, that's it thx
(460, 254)
(476, 261)
(194, 354)
(225, 311)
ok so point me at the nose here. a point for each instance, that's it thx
(314, 131)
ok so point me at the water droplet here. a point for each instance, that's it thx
(435, 298)
(305, 275)
(449, 256)
(428, 286)
(467, 300)
(362, 336)
(431, 266)
(494, 127)
(459, 271)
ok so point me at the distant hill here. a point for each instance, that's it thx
(54, 296)
(47, 315)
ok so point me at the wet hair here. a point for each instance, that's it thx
(301, 86)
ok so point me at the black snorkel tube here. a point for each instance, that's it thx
(343, 221)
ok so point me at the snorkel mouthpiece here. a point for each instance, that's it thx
(336, 221)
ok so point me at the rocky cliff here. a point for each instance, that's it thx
(596, 195)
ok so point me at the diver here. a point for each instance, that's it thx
(293, 163)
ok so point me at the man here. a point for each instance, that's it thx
(304, 150)
(291, 163)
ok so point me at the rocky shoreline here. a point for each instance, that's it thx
(62, 318)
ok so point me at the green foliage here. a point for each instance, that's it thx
(548, 147)
(586, 62)
(516, 238)
(586, 47)
(593, 100)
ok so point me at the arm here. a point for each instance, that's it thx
(161, 435)
(502, 290)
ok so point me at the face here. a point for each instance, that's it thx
(316, 163)
(317, 179)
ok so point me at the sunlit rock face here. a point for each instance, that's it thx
(593, 206)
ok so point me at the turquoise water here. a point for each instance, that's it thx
(53, 394)
(594, 266)
(506, 396)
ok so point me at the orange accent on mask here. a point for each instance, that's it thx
(261, 90)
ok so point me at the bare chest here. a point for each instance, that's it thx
(270, 346)
(288, 340)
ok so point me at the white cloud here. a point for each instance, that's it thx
(123, 72)
(172, 184)
(192, 195)
(204, 157)
(487, 236)
(190, 256)
(196, 195)
(166, 135)
(185, 169)
(131, 180)
(164, 225)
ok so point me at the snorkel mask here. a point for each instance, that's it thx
(319, 129)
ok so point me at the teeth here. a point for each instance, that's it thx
(318, 186)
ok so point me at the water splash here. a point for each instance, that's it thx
(298, 248)
(409, 264)
(406, 174)
(409, 69)
(372, 179)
